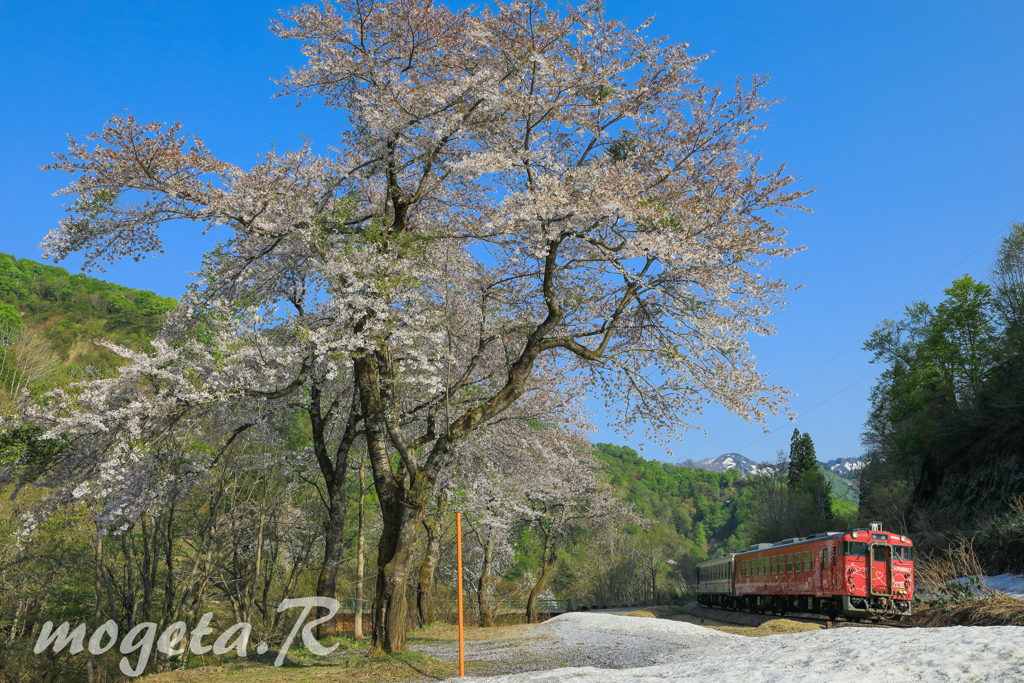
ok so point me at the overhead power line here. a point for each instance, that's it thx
(855, 343)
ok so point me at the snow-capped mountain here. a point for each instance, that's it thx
(844, 467)
(722, 463)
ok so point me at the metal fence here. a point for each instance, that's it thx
(544, 606)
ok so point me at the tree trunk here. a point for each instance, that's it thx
(547, 568)
(394, 560)
(484, 583)
(90, 664)
(335, 473)
(334, 537)
(425, 593)
(403, 507)
(357, 612)
(531, 604)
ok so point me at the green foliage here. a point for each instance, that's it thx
(24, 448)
(700, 539)
(843, 509)
(10, 317)
(801, 458)
(842, 489)
(72, 310)
(699, 505)
(529, 551)
(944, 432)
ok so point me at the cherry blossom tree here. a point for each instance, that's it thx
(567, 495)
(524, 198)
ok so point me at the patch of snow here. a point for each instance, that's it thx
(723, 463)
(845, 465)
(693, 653)
(1011, 584)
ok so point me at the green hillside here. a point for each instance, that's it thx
(700, 505)
(841, 487)
(71, 310)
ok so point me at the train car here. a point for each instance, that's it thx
(866, 573)
(715, 578)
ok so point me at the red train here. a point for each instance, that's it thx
(866, 573)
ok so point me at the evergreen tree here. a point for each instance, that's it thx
(816, 499)
(801, 458)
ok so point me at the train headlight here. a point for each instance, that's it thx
(903, 538)
(855, 534)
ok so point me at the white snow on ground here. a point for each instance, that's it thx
(1011, 584)
(691, 653)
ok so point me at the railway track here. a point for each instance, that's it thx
(718, 613)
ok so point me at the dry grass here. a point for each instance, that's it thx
(350, 663)
(952, 576)
(949, 583)
(443, 633)
(769, 628)
(406, 667)
(997, 610)
(645, 613)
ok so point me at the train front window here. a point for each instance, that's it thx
(879, 553)
(855, 549)
(903, 551)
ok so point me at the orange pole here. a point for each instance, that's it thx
(458, 542)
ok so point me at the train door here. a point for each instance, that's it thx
(880, 568)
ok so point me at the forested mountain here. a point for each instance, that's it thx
(71, 310)
(723, 511)
(700, 505)
(845, 467)
(722, 463)
(843, 488)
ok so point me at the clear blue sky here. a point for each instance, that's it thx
(907, 117)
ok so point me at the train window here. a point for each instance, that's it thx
(807, 560)
(763, 568)
(775, 564)
(789, 562)
(855, 549)
(907, 553)
(880, 554)
(902, 552)
(825, 553)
